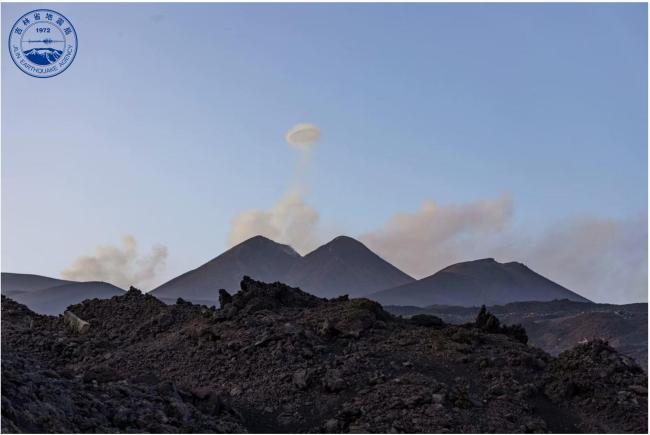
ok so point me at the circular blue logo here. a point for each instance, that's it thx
(43, 43)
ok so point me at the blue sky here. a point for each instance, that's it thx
(170, 121)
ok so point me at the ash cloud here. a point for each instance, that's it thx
(436, 236)
(122, 266)
(605, 260)
(290, 221)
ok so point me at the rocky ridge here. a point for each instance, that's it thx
(560, 325)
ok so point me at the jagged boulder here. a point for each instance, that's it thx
(224, 298)
(256, 295)
(352, 317)
(75, 323)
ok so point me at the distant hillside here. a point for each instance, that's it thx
(24, 282)
(558, 325)
(474, 283)
(46, 295)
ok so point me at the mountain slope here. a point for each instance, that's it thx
(55, 300)
(52, 296)
(345, 266)
(257, 257)
(25, 282)
(474, 283)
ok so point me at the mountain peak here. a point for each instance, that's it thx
(344, 265)
(488, 260)
(479, 282)
(260, 241)
(344, 241)
(258, 257)
(257, 239)
(480, 263)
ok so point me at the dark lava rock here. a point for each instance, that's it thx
(489, 323)
(35, 399)
(276, 359)
(224, 298)
(427, 320)
(256, 296)
(332, 381)
(301, 379)
(595, 378)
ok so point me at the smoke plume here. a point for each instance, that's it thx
(302, 136)
(122, 265)
(436, 236)
(289, 221)
(605, 260)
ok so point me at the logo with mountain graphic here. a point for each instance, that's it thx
(43, 56)
(43, 43)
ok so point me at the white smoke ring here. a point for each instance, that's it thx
(302, 136)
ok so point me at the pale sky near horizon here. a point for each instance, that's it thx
(170, 123)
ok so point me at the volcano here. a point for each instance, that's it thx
(476, 283)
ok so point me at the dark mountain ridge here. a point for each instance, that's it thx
(342, 266)
(476, 283)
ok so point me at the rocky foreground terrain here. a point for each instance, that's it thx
(276, 359)
(559, 325)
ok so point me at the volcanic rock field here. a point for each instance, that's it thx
(273, 358)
